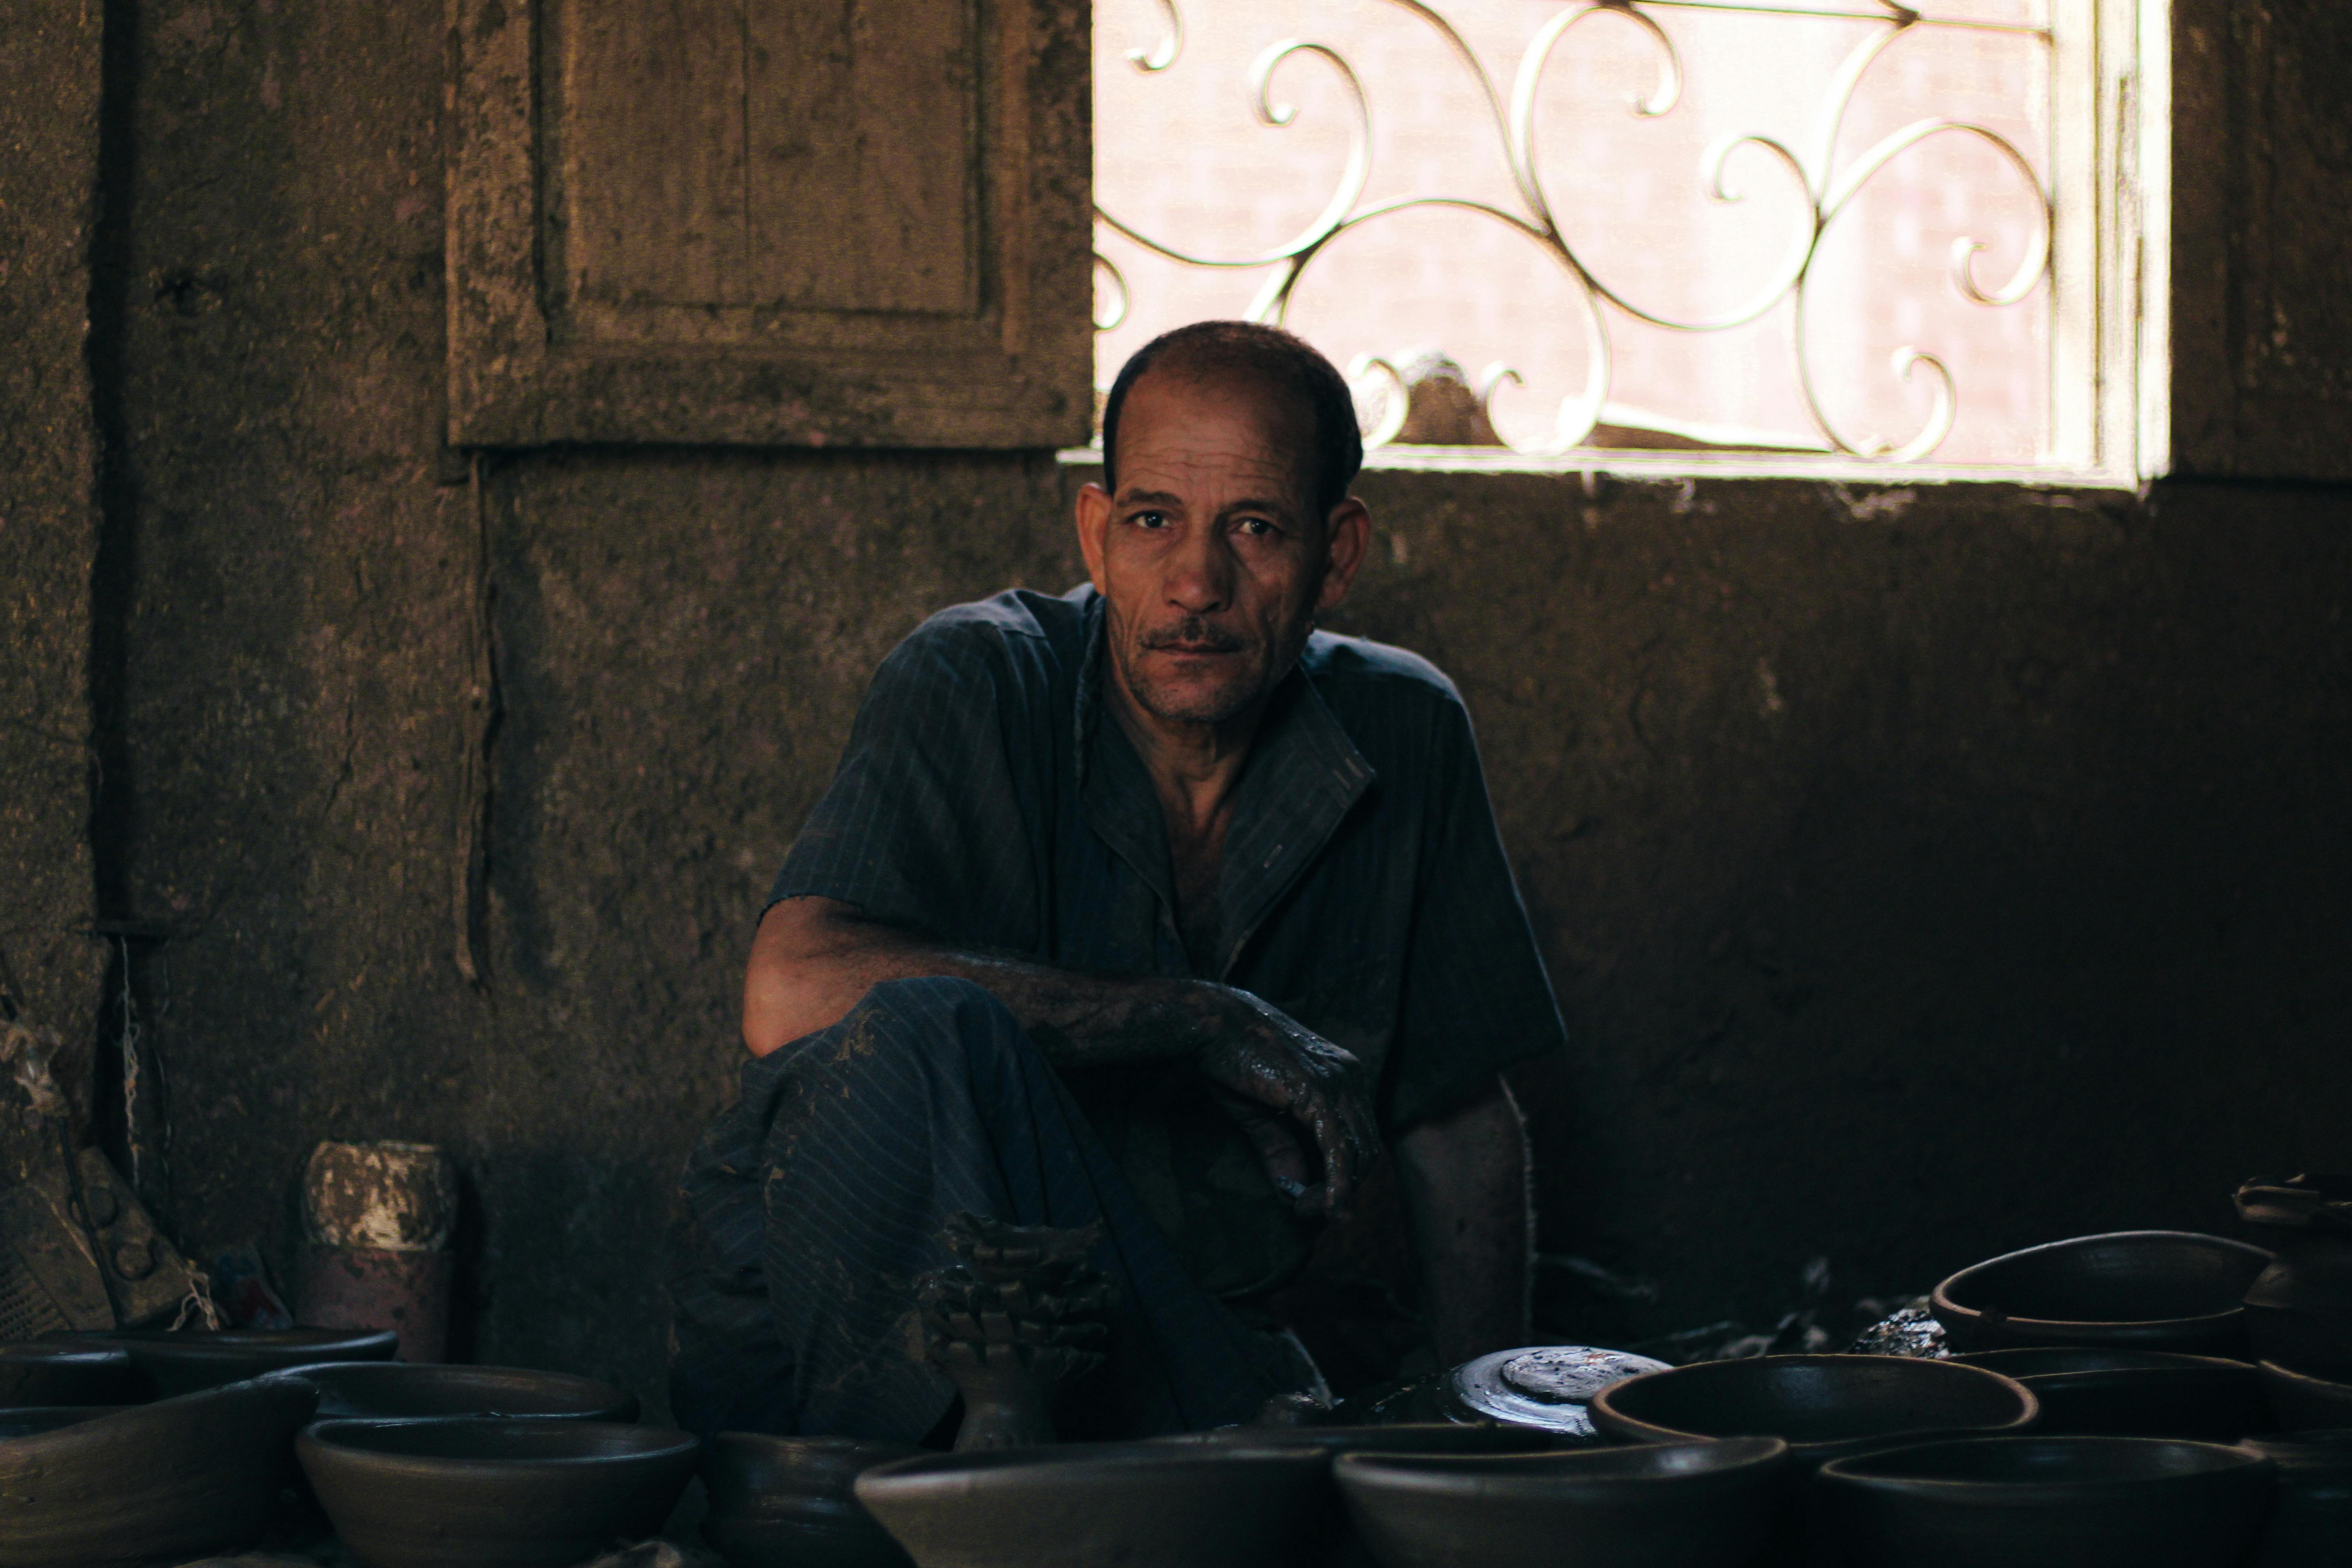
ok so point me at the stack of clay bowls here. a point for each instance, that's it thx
(2167, 1290)
(1138, 1505)
(1670, 1505)
(491, 1491)
(171, 1361)
(56, 1373)
(92, 1487)
(2299, 1311)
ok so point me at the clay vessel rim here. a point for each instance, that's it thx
(457, 1372)
(235, 1341)
(62, 1352)
(2213, 1459)
(1562, 1472)
(178, 1408)
(798, 1444)
(2028, 1411)
(1942, 1301)
(338, 1437)
(1049, 1462)
(2138, 1363)
(2325, 1388)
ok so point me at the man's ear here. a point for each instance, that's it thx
(1349, 532)
(1094, 510)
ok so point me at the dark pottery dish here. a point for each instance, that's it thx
(1081, 1505)
(173, 1480)
(2088, 1393)
(54, 1373)
(1546, 1388)
(171, 1362)
(2304, 1403)
(374, 1390)
(1406, 1438)
(2043, 1503)
(1669, 1505)
(2132, 1290)
(2311, 1523)
(473, 1491)
(2299, 1311)
(786, 1502)
(31, 1420)
(1825, 1407)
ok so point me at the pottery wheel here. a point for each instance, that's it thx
(1543, 1386)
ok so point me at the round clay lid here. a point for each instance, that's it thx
(1545, 1387)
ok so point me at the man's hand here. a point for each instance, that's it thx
(1276, 1073)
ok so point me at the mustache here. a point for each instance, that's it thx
(1194, 634)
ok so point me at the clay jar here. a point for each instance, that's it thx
(786, 1502)
(2299, 1311)
(170, 1480)
(64, 1374)
(2134, 1290)
(2133, 1394)
(1674, 1505)
(484, 1492)
(184, 1360)
(1138, 1505)
(363, 1390)
(2311, 1524)
(2044, 1502)
(1825, 1406)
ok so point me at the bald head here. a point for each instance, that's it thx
(1308, 398)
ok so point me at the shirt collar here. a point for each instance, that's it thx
(1303, 776)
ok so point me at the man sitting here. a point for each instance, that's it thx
(1147, 906)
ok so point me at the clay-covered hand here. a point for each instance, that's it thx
(1281, 1078)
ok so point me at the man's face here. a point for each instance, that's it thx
(1210, 560)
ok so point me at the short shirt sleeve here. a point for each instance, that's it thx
(1475, 997)
(923, 825)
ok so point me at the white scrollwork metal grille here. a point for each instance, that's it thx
(1824, 175)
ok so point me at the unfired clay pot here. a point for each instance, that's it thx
(1825, 1407)
(2044, 1502)
(50, 1372)
(169, 1481)
(2132, 1290)
(365, 1390)
(171, 1362)
(2088, 1393)
(1076, 1505)
(786, 1502)
(486, 1492)
(2302, 1403)
(1672, 1505)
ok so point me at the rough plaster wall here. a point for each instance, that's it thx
(2023, 911)
(48, 519)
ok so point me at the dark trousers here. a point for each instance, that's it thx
(816, 1201)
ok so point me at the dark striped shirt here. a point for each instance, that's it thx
(986, 800)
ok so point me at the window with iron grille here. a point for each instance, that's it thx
(1838, 234)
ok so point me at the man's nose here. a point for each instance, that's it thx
(1201, 573)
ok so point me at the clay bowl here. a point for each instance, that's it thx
(173, 1480)
(1670, 1505)
(473, 1491)
(1825, 1406)
(380, 1389)
(1406, 1438)
(1138, 1505)
(2087, 1392)
(173, 1362)
(2304, 1403)
(54, 1373)
(2134, 1290)
(785, 1502)
(2311, 1523)
(2044, 1502)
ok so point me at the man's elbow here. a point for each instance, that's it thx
(783, 987)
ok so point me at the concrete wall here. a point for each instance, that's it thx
(49, 966)
(1923, 873)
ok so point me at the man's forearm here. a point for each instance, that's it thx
(1465, 1176)
(814, 958)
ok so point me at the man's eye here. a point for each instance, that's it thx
(1255, 527)
(1149, 519)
